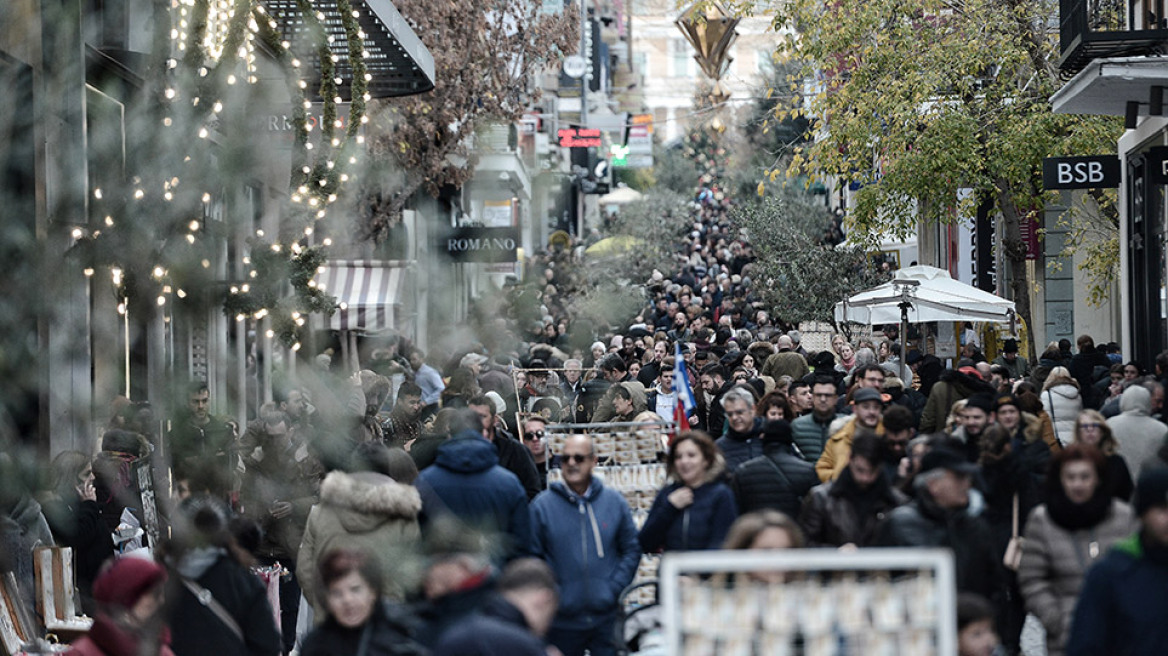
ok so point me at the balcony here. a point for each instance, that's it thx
(1097, 29)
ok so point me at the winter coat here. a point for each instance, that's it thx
(391, 632)
(590, 542)
(516, 458)
(197, 631)
(277, 473)
(1083, 367)
(1063, 403)
(467, 481)
(701, 525)
(1019, 368)
(785, 363)
(367, 511)
(778, 479)
(1055, 560)
(77, 524)
(810, 434)
(838, 451)
(831, 512)
(1020, 472)
(1122, 606)
(737, 447)
(1138, 435)
(923, 523)
(106, 638)
(500, 629)
(951, 388)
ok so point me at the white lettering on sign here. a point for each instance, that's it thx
(1080, 172)
(478, 244)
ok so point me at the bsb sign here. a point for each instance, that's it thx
(481, 244)
(1094, 172)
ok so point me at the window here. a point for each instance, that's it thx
(682, 59)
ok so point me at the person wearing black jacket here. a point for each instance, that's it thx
(511, 623)
(75, 519)
(1083, 366)
(848, 510)
(944, 514)
(742, 440)
(216, 605)
(778, 479)
(513, 456)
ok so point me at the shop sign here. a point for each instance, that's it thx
(472, 244)
(579, 137)
(1093, 172)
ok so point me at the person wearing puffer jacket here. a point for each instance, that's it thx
(1139, 435)
(1063, 402)
(1065, 536)
(366, 510)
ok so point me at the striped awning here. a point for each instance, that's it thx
(369, 293)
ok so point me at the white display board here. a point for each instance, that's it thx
(875, 602)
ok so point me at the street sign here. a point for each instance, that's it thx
(575, 66)
(1093, 172)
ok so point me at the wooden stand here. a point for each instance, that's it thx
(16, 627)
(57, 594)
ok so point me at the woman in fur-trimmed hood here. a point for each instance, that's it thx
(365, 510)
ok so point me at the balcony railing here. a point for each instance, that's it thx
(1094, 29)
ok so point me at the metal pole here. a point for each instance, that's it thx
(584, 29)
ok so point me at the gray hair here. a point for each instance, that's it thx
(737, 394)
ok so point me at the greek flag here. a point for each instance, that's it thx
(685, 395)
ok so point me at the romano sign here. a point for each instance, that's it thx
(481, 244)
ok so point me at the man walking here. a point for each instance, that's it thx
(585, 531)
(811, 430)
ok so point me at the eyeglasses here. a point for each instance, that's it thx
(577, 457)
(534, 435)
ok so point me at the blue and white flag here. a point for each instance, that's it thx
(681, 385)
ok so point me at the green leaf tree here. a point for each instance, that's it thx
(915, 99)
(802, 271)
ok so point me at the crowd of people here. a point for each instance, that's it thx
(411, 508)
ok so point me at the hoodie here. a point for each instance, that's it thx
(590, 542)
(1138, 435)
(364, 510)
(467, 482)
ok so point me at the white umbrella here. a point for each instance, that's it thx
(620, 196)
(932, 296)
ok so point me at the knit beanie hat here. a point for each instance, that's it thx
(124, 583)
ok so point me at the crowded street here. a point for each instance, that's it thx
(583, 327)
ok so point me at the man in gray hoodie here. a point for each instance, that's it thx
(1139, 435)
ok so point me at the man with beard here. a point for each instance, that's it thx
(847, 511)
(867, 409)
(404, 425)
(811, 430)
(898, 431)
(512, 455)
(711, 415)
(977, 414)
(650, 372)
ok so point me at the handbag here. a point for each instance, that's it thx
(1013, 557)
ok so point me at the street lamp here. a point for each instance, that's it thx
(710, 29)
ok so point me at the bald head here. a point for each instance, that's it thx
(784, 343)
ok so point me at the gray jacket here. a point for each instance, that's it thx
(1139, 435)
